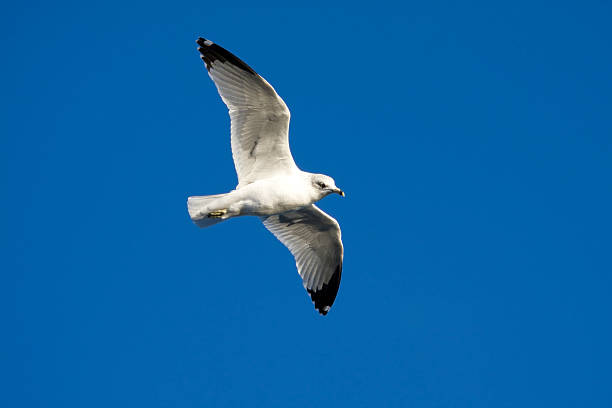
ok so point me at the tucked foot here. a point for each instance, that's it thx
(217, 214)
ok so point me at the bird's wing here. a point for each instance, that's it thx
(314, 239)
(260, 118)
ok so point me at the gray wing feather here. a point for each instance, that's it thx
(314, 239)
(259, 117)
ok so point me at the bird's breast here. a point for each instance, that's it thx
(273, 196)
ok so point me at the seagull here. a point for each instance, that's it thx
(270, 185)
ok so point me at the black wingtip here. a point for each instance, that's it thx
(324, 297)
(211, 52)
(203, 42)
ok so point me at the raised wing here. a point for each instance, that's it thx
(314, 239)
(260, 118)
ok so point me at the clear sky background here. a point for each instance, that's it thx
(473, 141)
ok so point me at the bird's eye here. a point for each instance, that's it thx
(321, 184)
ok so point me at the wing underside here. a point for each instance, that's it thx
(259, 117)
(314, 239)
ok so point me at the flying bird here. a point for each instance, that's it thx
(270, 185)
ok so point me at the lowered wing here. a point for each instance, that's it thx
(314, 239)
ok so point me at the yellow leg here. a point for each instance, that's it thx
(217, 214)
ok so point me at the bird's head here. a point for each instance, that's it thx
(325, 185)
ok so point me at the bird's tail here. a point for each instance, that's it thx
(203, 211)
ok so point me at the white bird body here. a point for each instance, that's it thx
(266, 197)
(270, 185)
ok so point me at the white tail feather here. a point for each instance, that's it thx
(200, 206)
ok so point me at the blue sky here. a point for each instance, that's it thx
(473, 141)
